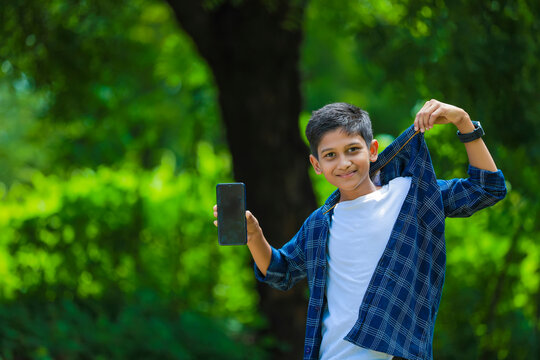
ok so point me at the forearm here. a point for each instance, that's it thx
(261, 250)
(436, 112)
(477, 151)
(281, 268)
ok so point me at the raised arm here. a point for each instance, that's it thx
(436, 112)
(485, 185)
(258, 246)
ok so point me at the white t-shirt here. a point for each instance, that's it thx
(359, 233)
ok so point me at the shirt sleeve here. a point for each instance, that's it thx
(464, 197)
(287, 265)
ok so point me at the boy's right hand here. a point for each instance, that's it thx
(253, 228)
(257, 244)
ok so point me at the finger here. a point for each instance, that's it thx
(250, 218)
(420, 117)
(434, 116)
(215, 223)
(428, 121)
(215, 207)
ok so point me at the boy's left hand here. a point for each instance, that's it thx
(436, 112)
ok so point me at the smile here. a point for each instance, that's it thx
(347, 175)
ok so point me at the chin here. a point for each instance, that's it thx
(348, 187)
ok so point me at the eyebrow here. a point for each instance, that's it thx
(350, 144)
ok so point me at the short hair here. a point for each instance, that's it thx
(351, 119)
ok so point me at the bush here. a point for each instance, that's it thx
(76, 253)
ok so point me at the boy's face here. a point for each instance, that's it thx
(344, 161)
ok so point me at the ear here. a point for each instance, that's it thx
(315, 163)
(373, 150)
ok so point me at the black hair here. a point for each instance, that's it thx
(351, 119)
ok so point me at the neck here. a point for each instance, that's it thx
(346, 195)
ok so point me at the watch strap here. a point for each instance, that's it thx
(477, 133)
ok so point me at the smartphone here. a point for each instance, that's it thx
(231, 203)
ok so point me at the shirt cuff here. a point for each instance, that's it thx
(492, 181)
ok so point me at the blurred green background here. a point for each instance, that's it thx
(112, 140)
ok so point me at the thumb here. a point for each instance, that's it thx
(250, 218)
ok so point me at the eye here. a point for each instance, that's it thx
(329, 155)
(354, 149)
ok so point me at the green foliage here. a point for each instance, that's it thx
(492, 282)
(107, 82)
(144, 328)
(489, 303)
(100, 237)
(111, 147)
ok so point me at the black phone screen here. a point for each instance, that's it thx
(231, 203)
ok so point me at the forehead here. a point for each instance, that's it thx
(338, 138)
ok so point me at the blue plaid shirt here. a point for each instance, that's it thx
(398, 312)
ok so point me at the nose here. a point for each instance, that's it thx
(344, 163)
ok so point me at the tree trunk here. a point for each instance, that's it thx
(253, 50)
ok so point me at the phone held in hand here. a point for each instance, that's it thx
(231, 207)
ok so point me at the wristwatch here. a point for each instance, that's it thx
(476, 134)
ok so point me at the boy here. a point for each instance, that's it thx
(374, 253)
